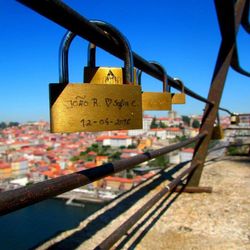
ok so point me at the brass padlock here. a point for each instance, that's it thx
(179, 98)
(94, 107)
(217, 133)
(156, 100)
(235, 119)
(102, 75)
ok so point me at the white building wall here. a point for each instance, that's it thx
(174, 158)
(120, 142)
(185, 156)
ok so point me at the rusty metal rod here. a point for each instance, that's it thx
(187, 189)
(68, 18)
(229, 16)
(226, 110)
(15, 199)
(237, 128)
(120, 231)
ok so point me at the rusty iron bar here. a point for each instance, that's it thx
(229, 16)
(129, 223)
(68, 18)
(187, 189)
(226, 110)
(15, 199)
(238, 128)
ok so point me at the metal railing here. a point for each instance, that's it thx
(230, 16)
(22, 197)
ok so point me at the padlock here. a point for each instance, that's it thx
(179, 98)
(102, 75)
(76, 107)
(235, 119)
(156, 100)
(217, 133)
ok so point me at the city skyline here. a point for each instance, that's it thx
(187, 49)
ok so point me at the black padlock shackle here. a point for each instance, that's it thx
(181, 83)
(111, 31)
(91, 60)
(166, 87)
(91, 54)
(218, 118)
(64, 55)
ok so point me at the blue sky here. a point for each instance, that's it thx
(182, 35)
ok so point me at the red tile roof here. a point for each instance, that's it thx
(187, 150)
(173, 129)
(118, 179)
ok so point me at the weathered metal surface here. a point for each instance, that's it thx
(187, 189)
(229, 16)
(238, 128)
(22, 197)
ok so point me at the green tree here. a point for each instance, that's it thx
(131, 146)
(89, 158)
(13, 124)
(162, 125)
(83, 153)
(186, 120)
(74, 158)
(160, 161)
(195, 123)
(153, 123)
(3, 125)
(116, 156)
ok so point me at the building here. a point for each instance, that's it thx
(158, 132)
(127, 153)
(146, 123)
(101, 159)
(186, 154)
(174, 158)
(244, 120)
(173, 132)
(5, 170)
(115, 140)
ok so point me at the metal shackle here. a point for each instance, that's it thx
(181, 83)
(111, 32)
(115, 34)
(166, 87)
(64, 55)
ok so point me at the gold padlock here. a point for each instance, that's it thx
(156, 100)
(102, 75)
(179, 98)
(217, 133)
(235, 119)
(95, 107)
